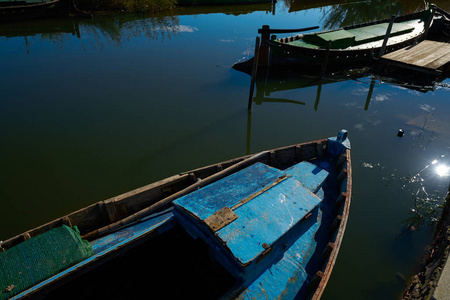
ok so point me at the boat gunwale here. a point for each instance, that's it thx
(340, 232)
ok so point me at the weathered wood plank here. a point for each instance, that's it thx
(432, 56)
(427, 56)
(441, 61)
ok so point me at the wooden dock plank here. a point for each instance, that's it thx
(427, 56)
(440, 62)
(411, 53)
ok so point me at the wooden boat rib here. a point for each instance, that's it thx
(308, 187)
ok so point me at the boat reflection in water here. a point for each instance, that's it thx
(266, 85)
(270, 86)
(268, 82)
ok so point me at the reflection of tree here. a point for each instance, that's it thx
(139, 6)
(111, 30)
(360, 12)
(116, 29)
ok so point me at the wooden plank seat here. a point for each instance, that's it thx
(253, 229)
(428, 56)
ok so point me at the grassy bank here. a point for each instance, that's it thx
(144, 6)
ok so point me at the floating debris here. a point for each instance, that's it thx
(367, 165)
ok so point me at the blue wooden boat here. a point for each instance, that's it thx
(272, 223)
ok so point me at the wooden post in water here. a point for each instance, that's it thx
(386, 37)
(254, 71)
(325, 61)
(264, 48)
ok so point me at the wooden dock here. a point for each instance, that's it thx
(430, 57)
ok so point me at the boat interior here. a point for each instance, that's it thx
(183, 260)
(358, 37)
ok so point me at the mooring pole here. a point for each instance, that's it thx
(264, 48)
(325, 61)
(254, 71)
(386, 37)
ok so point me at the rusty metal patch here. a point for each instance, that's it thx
(221, 218)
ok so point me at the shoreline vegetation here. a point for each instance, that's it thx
(134, 6)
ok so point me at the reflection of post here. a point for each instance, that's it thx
(261, 80)
(77, 28)
(319, 90)
(254, 72)
(249, 129)
(26, 45)
(372, 84)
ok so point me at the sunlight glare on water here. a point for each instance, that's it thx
(442, 170)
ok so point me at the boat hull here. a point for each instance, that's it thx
(116, 225)
(283, 56)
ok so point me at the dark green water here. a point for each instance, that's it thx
(92, 109)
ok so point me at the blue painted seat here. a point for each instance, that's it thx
(308, 174)
(252, 217)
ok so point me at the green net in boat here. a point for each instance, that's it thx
(39, 258)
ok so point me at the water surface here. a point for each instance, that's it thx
(92, 109)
